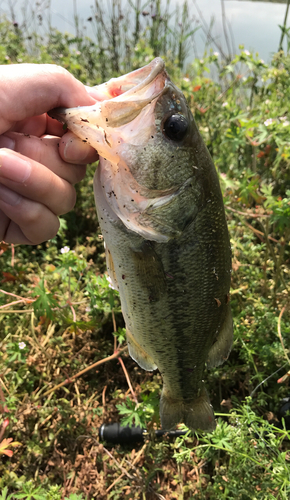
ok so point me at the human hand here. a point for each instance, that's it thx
(39, 163)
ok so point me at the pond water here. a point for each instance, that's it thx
(253, 23)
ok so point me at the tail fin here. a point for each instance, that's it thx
(195, 414)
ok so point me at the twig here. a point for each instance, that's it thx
(18, 311)
(78, 393)
(11, 303)
(115, 330)
(47, 418)
(3, 407)
(115, 482)
(12, 255)
(6, 389)
(237, 79)
(265, 380)
(121, 361)
(207, 32)
(35, 339)
(17, 296)
(49, 333)
(74, 313)
(77, 375)
(117, 463)
(260, 233)
(245, 213)
(225, 28)
(284, 26)
(104, 397)
(280, 334)
(128, 380)
(86, 406)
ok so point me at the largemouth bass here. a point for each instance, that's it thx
(168, 253)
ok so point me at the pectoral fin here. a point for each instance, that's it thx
(220, 350)
(148, 265)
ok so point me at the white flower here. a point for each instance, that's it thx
(201, 61)
(269, 121)
(286, 123)
(216, 54)
(21, 345)
(283, 118)
(186, 79)
(65, 250)
(224, 104)
(247, 52)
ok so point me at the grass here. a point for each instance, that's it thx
(64, 366)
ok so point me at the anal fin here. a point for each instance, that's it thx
(139, 354)
(221, 349)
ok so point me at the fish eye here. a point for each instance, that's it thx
(175, 127)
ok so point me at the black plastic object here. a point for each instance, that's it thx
(118, 434)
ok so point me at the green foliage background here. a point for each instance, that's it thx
(63, 316)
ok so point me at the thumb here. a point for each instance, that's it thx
(28, 90)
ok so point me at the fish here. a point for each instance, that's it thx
(168, 253)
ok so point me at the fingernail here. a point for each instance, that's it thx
(76, 150)
(14, 168)
(7, 142)
(9, 196)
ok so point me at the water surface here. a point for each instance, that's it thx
(253, 23)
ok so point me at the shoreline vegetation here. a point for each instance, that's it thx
(64, 366)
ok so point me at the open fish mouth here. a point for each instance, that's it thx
(120, 101)
(132, 83)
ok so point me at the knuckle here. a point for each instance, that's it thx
(42, 229)
(52, 229)
(69, 201)
(31, 215)
(57, 70)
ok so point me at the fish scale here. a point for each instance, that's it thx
(168, 253)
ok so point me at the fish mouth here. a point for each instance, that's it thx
(120, 101)
(136, 82)
(129, 94)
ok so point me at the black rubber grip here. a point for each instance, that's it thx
(117, 434)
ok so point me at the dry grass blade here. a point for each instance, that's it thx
(85, 370)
